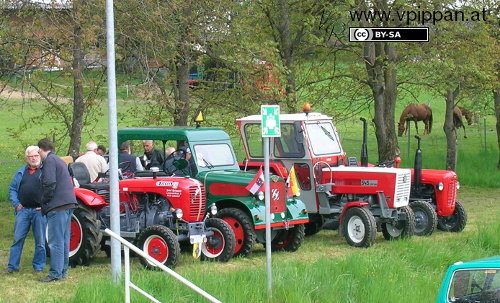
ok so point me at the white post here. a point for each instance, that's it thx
(267, 195)
(116, 264)
(127, 274)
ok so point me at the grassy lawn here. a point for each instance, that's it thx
(325, 269)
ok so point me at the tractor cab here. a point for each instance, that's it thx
(309, 142)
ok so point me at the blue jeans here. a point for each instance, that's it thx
(25, 218)
(58, 230)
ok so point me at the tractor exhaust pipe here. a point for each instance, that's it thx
(364, 149)
(417, 167)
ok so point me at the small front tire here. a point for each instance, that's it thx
(220, 245)
(402, 228)
(289, 240)
(425, 218)
(456, 222)
(160, 243)
(359, 227)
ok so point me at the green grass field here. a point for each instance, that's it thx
(325, 269)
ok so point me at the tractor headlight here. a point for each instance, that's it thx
(213, 209)
(440, 186)
(260, 196)
(458, 185)
(178, 213)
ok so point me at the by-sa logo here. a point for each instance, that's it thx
(360, 34)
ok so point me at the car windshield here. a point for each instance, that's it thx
(477, 285)
(323, 138)
(211, 155)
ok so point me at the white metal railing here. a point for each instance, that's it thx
(128, 284)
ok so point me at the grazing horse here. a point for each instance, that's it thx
(412, 112)
(467, 114)
(457, 119)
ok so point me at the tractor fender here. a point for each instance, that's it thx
(89, 198)
(349, 205)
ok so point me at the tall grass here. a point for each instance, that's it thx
(407, 271)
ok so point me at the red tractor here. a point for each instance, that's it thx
(156, 213)
(338, 193)
(433, 199)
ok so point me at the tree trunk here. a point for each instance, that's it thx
(496, 94)
(449, 129)
(78, 96)
(380, 62)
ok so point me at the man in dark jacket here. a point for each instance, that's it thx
(152, 157)
(127, 162)
(58, 202)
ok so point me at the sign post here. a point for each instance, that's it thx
(270, 124)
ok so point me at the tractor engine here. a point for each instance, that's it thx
(140, 211)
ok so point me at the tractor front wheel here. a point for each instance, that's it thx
(242, 226)
(315, 224)
(456, 222)
(289, 240)
(359, 227)
(160, 243)
(425, 218)
(220, 245)
(402, 228)
(85, 237)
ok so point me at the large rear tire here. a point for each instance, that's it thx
(220, 245)
(456, 222)
(359, 227)
(425, 218)
(242, 226)
(402, 228)
(289, 240)
(85, 239)
(160, 243)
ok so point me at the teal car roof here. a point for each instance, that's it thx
(172, 133)
(486, 262)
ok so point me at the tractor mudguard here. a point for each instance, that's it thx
(349, 205)
(89, 198)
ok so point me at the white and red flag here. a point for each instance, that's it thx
(257, 184)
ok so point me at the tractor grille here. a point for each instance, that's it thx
(452, 192)
(197, 201)
(403, 185)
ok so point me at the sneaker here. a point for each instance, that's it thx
(38, 272)
(49, 279)
(7, 271)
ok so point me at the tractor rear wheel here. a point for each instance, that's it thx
(160, 243)
(242, 226)
(425, 218)
(85, 238)
(359, 227)
(289, 240)
(402, 228)
(220, 245)
(456, 222)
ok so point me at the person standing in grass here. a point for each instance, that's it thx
(24, 193)
(58, 202)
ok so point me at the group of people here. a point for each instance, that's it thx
(151, 158)
(41, 193)
(42, 196)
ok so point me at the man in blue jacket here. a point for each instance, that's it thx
(58, 202)
(24, 193)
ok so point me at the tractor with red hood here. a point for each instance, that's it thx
(338, 192)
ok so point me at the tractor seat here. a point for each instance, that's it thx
(80, 172)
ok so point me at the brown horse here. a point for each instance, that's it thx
(457, 119)
(467, 114)
(412, 112)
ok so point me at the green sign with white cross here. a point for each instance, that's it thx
(270, 120)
